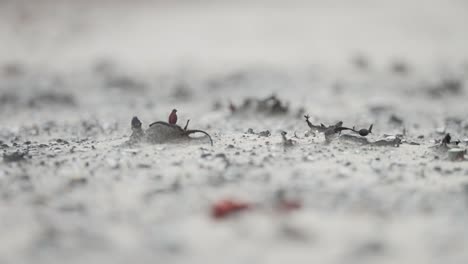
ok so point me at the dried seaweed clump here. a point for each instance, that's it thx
(162, 132)
(333, 131)
(271, 105)
(337, 128)
(327, 130)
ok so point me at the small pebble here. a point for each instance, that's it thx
(456, 154)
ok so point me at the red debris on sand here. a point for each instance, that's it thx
(225, 208)
(288, 206)
(285, 204)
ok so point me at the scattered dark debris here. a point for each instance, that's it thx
(293, 233)
(388, 142)
(395, 120)
(411, 143)
(370, 248)
(221, 155)
(51, 98)
(160, 132)
(144, 166)
(62, 141)
(104, 66)
(269, 106)
(74, 207)
(91, 127)
(228, 207)
(13, 69)
(205, 155)
(265, 133)
(224, 158)
(455, 121)
(295, 135)
(232, 107)
(173, 187)
(182, 91)
(217, 105)
(300, 112)
(8, 99)
(286, 142)
(400, 67)
(378, 109)
(24, 178)
(361, 62)
(40, 99)
(77, 182)
(233, 79)
(338, 87)
(15, 156)
(448, 86)
(124, 83)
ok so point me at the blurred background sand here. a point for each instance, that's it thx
(145, 34)
(74, 73)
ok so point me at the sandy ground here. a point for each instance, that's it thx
(74, 74)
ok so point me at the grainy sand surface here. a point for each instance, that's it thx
(75, 73)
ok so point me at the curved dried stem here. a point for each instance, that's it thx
(188, 132)
(308, 122)
(186, 125)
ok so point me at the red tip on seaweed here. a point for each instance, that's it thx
(173, 117)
